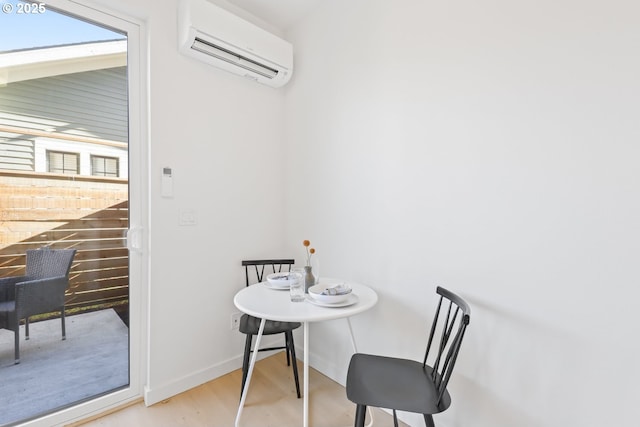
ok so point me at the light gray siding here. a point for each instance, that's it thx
(16, 153)
(88, 104)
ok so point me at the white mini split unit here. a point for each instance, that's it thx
(220, 38)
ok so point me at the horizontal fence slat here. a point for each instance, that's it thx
(94, 264)
(87, 303)
(96, 276)
(94, 295)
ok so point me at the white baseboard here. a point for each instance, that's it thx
(167, 390)
(325, 367)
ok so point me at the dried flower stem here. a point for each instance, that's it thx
(310, 251)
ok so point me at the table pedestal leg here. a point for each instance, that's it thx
(252, 363)
(355, 350)
(353, 340)
(305, 403)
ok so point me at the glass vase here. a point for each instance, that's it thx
(309, 279)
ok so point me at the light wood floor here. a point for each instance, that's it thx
(271, 402)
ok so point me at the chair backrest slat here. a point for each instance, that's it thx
(260, 265)
(432, 333)
(447, 328)
(452, 355)
(456, 318)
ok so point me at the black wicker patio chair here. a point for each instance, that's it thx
(39, 291)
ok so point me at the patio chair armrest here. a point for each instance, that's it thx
(7, 287)
(40, 295)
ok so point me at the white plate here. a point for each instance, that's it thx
(278, 287)
(278, 280)
(317, 293)
(353, 298)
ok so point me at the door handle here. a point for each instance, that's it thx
(134, 239)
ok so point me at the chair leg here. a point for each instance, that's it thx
(64, 331)
(292, 348)
(287, 346)
(17, 344)
(361, 412)
(395, 418)
(245, 361)
(428, 420)
(26, 328)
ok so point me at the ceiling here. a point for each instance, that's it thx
(279, 13)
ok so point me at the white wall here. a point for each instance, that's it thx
(489, 147)
(492, 148)
(222, 136)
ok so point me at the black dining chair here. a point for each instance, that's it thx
(250, 325)
(408, 385)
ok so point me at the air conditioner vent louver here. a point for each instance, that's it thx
(233, 58)
(216, 36)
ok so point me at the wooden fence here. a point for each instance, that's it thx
(88, 214)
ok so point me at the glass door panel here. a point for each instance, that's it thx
(64, 184)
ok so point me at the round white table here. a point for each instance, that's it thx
(266, 303)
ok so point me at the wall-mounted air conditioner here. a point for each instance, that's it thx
(218, 37)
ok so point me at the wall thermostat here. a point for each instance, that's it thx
(167, 182)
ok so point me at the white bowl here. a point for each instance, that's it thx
(316, 293)
(280, 280)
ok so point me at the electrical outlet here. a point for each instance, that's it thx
(235, 320)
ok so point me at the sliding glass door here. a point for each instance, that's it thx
(69, 151)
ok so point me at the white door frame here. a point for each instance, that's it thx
(138, 83)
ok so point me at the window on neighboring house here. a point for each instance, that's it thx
(61, 162)
(105, 166)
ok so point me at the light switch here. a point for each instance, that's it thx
(187, 217)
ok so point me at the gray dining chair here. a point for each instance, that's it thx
(249, 325)
(39, 291)
(408, 385)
